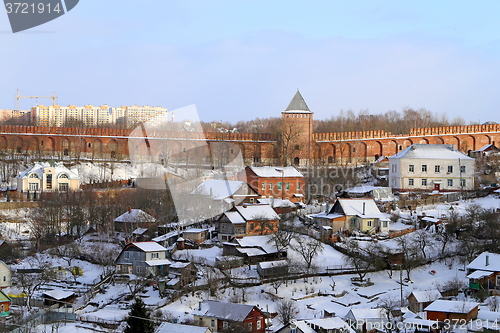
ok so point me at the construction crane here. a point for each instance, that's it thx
(19, 97)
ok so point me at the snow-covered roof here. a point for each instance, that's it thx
(355, 207)
(224, 310)
(324, 215)
(256, 212)
(135, 216)
(479, 274)
(235, 217)
(451, 306)
(331, 323)
(166, 236)
(221, 189)
(179, 328)
(277, 203)
(271, 264)
(486, 147)
(274, 172)
(263, 242)
(418, 322)
(158, 262)
(480, 262)
(361, 189)
(179, 265)
(431, 151)
(38, 168)
(139, 231)
(149, 246)
(426, 295)
(58, 294)
(431, 219)
(252, 251)
(367, 313)
(194, 231)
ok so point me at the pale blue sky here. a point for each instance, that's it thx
(245, 59)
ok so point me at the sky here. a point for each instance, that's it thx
(239, 60)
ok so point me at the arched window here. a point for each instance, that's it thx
(34, 176)
(63, 175)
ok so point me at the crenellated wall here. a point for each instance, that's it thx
(256, 148)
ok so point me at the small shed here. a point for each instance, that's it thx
(270, 269)
(441, 310)
(419, 300)
(58, 296)
(4, 304)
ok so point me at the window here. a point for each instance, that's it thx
(279, 186)
(462, 182)
(33, 186)
(251, 200)
(212, 323)
(424, 182)
(251, 226)
(263, 197)
(249, 326)
(410, 182)
(200, 322)
(411, 168)
(154, 255)
(353, 221)
(49, 181)
(384, 224)
(270, 186)
(298, 186)
(224, 238)
(437, 168)
(263, 186)
(63, 175)
(63, 186)
(127, 255)
(4, 278)
(369, 223)
(462, 168)
(450, 182)
(139, 269)
(424, 168)
(450, 168)
(34, 176)
(259, 323)
(287, 186)
(2, 308)
(225, 325)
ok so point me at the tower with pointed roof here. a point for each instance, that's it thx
(297, 122)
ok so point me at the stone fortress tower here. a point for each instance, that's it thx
(297, 122)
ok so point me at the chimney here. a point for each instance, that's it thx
(363, 208)
(487, 260)
(129, 209)
(199, 306)
(327, 207)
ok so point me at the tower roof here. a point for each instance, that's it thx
(297, 103)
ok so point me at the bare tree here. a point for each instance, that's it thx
(31, 280)
(493, 303)
(358, 258)
(423, 241)
(388, 304)
(287, 310)
(308, 248)
(411, 255)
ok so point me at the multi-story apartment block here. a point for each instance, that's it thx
(137, 114)
(89, 115)
(436, 167)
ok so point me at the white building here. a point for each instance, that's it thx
(436, 167)
(47, 177)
